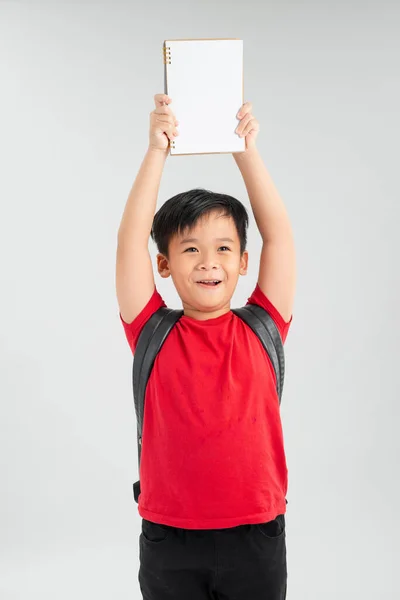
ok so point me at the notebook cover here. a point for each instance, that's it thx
(204, 79)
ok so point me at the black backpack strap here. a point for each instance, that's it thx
(150, 340)
(266, 330)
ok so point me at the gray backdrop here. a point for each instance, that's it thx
(77, 86)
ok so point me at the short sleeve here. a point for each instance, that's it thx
(133, 330)
(260, 299)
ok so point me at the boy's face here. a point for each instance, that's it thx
(210, 251)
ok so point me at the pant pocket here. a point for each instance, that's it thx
(273, 529)
(154, 533)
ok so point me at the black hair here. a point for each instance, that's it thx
(181, 213)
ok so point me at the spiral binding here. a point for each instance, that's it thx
(167, 55)
(167, 61)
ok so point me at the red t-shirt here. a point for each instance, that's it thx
(212, 446)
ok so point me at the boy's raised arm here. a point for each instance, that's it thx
(134, 271)
(277, 272)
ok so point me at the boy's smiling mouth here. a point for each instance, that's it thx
(209, 282)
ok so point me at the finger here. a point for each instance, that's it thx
(243, 123)
(165, 117)
(160, 119)
(165, 110)
(172, 132)
(160, 99)
(253, 125)
(245, 108)
(164, 125)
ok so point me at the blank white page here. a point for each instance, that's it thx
(205, 83)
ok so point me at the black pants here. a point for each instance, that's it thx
(247, 562)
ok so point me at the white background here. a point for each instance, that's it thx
(77, 86)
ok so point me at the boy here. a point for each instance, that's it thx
(213, 472)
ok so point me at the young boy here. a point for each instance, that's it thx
(213, 472)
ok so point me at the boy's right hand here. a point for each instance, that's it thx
(162, 124)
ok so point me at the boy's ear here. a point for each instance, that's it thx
(163, 266)
(244, 263)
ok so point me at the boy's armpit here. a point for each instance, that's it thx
(133, 330)
(260, 299)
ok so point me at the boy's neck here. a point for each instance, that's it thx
(201, 315)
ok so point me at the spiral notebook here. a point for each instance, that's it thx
(204, 79)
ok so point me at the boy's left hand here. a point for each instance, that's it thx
(248, 125)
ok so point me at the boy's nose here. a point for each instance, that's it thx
(206, 265)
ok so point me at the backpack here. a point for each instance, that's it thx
(153, 336)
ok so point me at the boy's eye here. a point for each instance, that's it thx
(220, 248)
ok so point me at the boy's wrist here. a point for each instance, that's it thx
(158, 151)
(246, 154)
